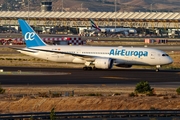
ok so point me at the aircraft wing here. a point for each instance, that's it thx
(84, 57)
(24, 49)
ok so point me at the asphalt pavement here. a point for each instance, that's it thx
(128, 77)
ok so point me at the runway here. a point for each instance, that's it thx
(128, 77)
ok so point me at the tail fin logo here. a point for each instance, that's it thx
(94, 25)
(29, 36)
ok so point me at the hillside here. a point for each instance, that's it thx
(95, 5)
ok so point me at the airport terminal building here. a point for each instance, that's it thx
(158, 23)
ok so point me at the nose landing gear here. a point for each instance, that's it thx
(157, 68)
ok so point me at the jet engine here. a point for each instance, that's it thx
(103, 30)
(132, 31)
(126, 33)
(103, 63)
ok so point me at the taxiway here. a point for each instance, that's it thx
(128, 77)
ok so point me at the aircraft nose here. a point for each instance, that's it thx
(170, 60)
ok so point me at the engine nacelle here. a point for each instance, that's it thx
(126, 33)
(103, 30)
(112, 30)
(103, 63)
(132, 31)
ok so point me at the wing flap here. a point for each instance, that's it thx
(83, 57)
(24, 49)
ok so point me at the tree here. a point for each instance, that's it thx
(52, 114)
(178, 90)
(143, 87)
(2, 91)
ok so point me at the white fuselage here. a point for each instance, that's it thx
(113, 30)
(121, 55)
(119, 30)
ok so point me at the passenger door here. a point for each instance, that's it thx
(153, 55)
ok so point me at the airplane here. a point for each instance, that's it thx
(93, 57)
(97, 29)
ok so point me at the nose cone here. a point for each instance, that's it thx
(169, 60)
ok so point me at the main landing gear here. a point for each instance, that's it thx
(89, 68)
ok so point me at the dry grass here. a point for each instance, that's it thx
(38, 98)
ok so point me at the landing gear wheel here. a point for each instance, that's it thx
(94, 68)
(89, 68)
(84, 68)
(157, 69)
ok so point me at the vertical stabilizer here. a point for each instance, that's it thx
(30, 37)
(94, 25)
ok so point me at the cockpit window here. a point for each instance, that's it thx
(165, 55)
